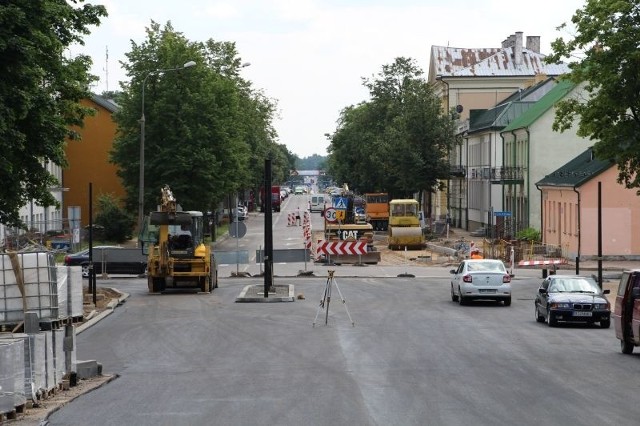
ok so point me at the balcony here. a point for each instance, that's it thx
(457, 171)
(507, 175)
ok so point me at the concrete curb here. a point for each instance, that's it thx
(251, 294)
(99, 317)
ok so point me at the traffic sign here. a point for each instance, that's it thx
(502, 214)
(340, 203)
(237, 229)
(330, 215)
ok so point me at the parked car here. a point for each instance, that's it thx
(82, 256)
(115, 259)
(571, 298)
(317, 203)
(476, 279)
(240, 212)
(626, 312)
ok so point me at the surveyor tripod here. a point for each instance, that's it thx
(326, 300)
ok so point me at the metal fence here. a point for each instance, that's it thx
(523, 250)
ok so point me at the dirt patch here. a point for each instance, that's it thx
(104, 295)
(423, 257)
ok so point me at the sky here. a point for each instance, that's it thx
(311, 55)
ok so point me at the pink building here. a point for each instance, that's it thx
(569, 203)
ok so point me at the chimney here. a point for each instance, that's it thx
(508, 42)
(533, 43)
(517, 50)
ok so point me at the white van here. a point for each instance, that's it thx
(317, 203)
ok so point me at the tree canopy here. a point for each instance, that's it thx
(397, 141)
(207, 131)
(607, 40)
(40, 90)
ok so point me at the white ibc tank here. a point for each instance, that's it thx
(38, 274)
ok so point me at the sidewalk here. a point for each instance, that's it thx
(586, 266)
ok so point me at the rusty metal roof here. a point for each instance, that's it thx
(489, 62)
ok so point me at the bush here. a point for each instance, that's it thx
(529, 234)
(118, 225)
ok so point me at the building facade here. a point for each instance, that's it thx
(88, 162)
(480, 79)
(582, 196)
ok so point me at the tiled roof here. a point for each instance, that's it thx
(540, 107)
(576, 172)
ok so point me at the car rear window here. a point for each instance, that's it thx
(486, 266)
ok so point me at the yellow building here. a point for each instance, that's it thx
(88, 161)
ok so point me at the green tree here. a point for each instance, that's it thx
(398, 140)
(40, 92)
(606, 43)
(205, 126)
(114, 219)
(314, 162)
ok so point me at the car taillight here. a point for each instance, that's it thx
(467, 278)
(66, 260)
(506, 278)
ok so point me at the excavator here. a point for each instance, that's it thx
(173, 240)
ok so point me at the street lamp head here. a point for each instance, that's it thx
(189, 64)
(245, 64)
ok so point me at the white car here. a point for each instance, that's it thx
(476, 279)
(241, 212)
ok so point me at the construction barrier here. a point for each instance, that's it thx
(342, 247)
(543, 262)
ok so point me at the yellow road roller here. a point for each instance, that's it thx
(404, 225)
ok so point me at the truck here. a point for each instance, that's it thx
(174, 243)
(377, 210)
(626, 311)
(276, 200)
(404, 225)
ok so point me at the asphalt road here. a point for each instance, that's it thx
(412, 358)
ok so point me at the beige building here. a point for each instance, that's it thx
(471, 79)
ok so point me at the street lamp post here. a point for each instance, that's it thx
(142, 125)
(440, 78)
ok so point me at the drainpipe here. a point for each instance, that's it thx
(579, 229)
(489, 218)
(460, 183)
(544, 239)
(515, 197)
(466, 219)
(528, 178)
(502, 166)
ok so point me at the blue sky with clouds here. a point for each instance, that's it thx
(311, 55)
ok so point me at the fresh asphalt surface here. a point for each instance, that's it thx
(413, 357)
